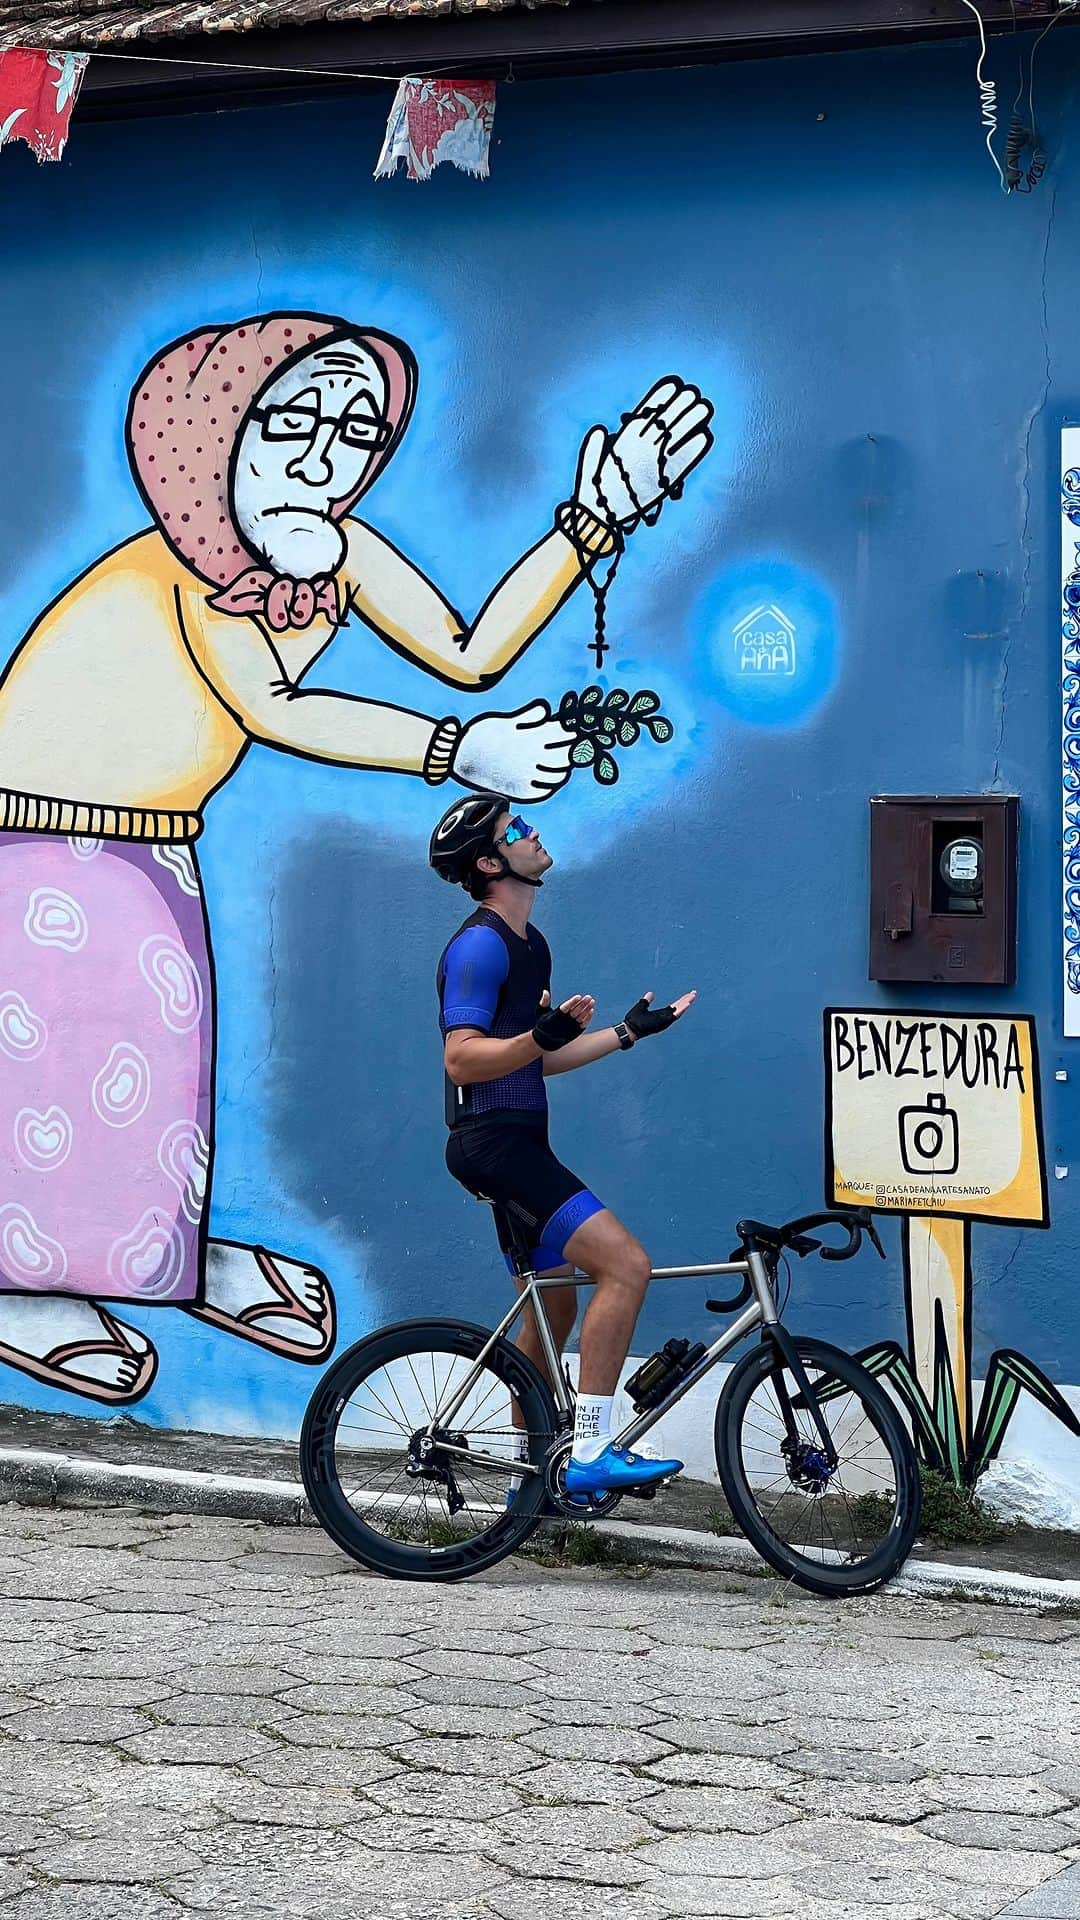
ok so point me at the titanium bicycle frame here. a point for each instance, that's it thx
(761, 1313)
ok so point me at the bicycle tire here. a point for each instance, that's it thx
(817, 1576)
(329, 1500)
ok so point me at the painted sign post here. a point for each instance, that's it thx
(937, 1117)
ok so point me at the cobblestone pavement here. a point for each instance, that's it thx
(210, 1717)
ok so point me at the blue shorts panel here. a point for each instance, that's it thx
(551, 1249)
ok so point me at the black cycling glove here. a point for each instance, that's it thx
(554, 1029)
(644, 1019)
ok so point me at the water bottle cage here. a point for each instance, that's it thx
(661, 1372)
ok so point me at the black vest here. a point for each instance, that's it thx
(529, 975)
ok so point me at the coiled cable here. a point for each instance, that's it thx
(987, 95)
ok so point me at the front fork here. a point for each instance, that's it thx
(789, 1354)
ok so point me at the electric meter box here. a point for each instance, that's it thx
(943, 876)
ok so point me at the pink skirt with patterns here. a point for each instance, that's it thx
(106, 1068)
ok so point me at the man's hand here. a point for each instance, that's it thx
(644, 1019)
(557, 1026)
(624, 475)
(524, 754)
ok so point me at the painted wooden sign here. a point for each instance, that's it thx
(934, 1113)
(937, 1117)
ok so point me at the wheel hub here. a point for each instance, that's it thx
(809, 1468)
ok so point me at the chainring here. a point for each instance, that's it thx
(573, 1505)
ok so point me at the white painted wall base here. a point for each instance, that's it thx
(1036, 1477)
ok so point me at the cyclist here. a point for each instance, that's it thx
(502, 1037)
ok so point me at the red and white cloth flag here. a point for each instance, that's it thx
(37, 92)
(432, 121)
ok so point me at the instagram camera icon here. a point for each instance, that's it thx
(930, 1137)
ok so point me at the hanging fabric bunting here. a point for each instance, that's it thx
(37, 93)
(432, 121)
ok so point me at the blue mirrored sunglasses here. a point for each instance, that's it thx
(518, 829)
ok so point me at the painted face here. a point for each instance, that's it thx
(306, 446)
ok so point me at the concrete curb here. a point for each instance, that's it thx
(31, 1477)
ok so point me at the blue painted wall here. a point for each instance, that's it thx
(891, 348)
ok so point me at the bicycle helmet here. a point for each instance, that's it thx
(465, 831)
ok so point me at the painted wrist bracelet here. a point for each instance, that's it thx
(586, 534)
(439, 757)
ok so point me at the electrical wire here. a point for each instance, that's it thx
(782, 1306)
(1023, 135)
(987, 94)
(242, 66)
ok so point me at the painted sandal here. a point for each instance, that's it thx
(285, 1307)
(55, 1368)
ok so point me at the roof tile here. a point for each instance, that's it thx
(85, 24)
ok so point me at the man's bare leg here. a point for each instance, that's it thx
(620, 1267)
(560, 1304)
(605, 1250)
(561, 1307)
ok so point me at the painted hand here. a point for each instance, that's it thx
(524, 754)
(623, 476)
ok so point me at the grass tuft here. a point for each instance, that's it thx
(952, 1516)
(720, 1520)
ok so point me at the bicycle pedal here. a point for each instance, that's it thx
(645, 1493)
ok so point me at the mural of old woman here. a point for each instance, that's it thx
(131, 700)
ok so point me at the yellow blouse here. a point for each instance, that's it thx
(131, 691)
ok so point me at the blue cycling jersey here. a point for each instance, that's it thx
(491, 978)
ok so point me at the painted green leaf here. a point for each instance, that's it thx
(1000, 1395)
(629, 731)
(617, 698)
(591, 697)
(1028, 1375)
(645, 702)
(607, 726)
(606, 771)
(946, 1408)
(584, 753)
(568, 708)
(888, 1361)
(1007, 1372)
(660, 728)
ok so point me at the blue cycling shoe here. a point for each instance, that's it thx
(617, 1470)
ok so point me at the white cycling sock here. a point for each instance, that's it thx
(519, 1451)
(592, 1426)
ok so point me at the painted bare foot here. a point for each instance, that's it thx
(76, 1345)
(278, 1303)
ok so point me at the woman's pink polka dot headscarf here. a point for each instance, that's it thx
(187, 411)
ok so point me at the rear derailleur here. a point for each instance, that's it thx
(424, 1462)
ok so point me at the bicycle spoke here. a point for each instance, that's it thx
(394, 1422)
(350, 1426)
(428, 1410)
(496, 1382)
(852, 1523)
